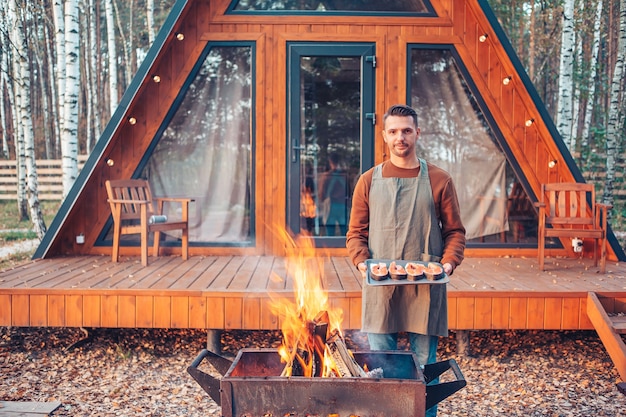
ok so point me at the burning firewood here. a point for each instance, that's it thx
(343, 360)
(321, 355)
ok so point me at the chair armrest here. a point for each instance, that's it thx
(174, 199)
(603, 206)
(116, 200)
(184, 202)
(539, 204)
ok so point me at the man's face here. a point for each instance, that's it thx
(400, 134)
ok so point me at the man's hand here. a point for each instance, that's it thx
(447, 268)
(362, 268)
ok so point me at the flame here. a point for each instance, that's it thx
(303, 346)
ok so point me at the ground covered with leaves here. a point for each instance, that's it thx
(137, 372)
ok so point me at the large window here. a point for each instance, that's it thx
(205, 148)
(333, 6)
(457, 136)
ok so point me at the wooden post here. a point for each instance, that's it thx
(463, 347)
(214, 340)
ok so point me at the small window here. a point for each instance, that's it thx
(333, 6)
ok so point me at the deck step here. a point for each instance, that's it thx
(608, 333)
(27, 408)
(619, 324)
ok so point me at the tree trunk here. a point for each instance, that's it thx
(531, 43)
(53, 93)
(86, 47)
(22, 72)
(150, 20)
(59, 68)
(127, 67)
(20, 164)
(39, 60)
(108, 10)
(93, 61)
(615, 123)
(566, 76)
(593, 70)
(5, 85)
(69, 137)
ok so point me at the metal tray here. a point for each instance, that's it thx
(390, 281)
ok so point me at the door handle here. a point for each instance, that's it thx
(296, 149)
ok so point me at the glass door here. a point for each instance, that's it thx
(331, 134)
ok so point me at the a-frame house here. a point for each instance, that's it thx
(244, 105)
(253, 99)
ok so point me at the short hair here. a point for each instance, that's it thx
(401, 110)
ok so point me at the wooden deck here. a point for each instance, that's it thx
(232, 292)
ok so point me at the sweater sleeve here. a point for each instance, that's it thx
(452, 229)
(358, 230)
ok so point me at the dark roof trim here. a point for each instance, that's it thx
(116, 119)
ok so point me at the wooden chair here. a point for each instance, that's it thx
(572, 211)
(132, 207)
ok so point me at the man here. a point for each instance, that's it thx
(334, 196)
(405, 209)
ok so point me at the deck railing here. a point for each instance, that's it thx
(49, 174)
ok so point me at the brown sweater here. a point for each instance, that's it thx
(446, 206)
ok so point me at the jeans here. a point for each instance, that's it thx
(425, 347)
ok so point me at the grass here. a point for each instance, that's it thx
(13, 229)
(9, 219)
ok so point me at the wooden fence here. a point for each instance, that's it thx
(49, 175)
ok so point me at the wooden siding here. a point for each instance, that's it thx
(460, 23)
(235, 292)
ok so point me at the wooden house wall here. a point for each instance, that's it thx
(460, 23)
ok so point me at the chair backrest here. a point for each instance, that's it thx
(569, 203)
(130, 195)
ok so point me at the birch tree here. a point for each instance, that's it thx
(69, 135)
(566, 76)
(615, 125)
(58, 14)
(5, 85)
(23, 105)
(150, 20)
(112, 54)
(17, 93)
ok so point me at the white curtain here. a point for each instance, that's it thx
(456, 137)
(205, 152)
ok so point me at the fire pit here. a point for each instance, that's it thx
(251, 386)
(313, 373)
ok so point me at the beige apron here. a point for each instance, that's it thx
(404, 226)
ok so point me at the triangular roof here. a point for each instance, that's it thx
(85, 209)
